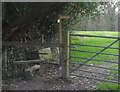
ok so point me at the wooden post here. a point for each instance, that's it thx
(65, 54)
(6, 59)
(70, 41)
(42, 38)
(41, 71)
(60, 39)
(60, 18)
(64, 48)
(15, 70)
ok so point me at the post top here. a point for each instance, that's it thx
(63, 17)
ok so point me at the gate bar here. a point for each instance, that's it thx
(119, 63)
(94, 66)
(95, 78)
(72, 45)
(95, 36)
(99, 73)
(93, 52)
(94, 60)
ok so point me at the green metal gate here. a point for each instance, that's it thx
(92, 58)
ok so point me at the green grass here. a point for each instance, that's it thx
(96, 42)
(115, 67)
(108, 86)
(114, 72)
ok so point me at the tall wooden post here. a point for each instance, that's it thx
(64, 48)
(60, 38)
(6, 59)
(41, 71)
(65, 54)
(42, 38)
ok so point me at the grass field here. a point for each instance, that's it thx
(108, 86)
(97, 42)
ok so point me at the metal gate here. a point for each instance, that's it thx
(78, 66)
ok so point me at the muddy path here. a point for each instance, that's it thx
(51, 80)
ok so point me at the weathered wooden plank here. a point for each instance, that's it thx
(40, 61)
(38, 53)
(63, 17)
(21, 43)
(8, 43)
(29, 61)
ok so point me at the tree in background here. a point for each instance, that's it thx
(103, 19)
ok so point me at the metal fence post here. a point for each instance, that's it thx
(119, 63)
(119, 49)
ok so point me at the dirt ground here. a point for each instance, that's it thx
(51, 80)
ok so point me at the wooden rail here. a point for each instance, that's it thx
(29, 61)
(43, 61)
(8, 43)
